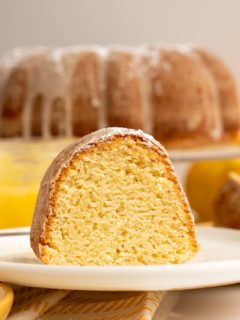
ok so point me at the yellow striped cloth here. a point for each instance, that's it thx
(6, 300)
(46, 304)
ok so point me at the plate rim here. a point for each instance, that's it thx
(213, 268)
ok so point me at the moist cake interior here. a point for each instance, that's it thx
(117, 204)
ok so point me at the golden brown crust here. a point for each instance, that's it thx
(14, 97)
(85, 91)
(123, 90)
(184, 99)
(227, 91)
(44, 209)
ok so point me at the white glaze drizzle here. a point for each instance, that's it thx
(102, 116)
(147, 112)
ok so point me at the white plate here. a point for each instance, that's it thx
(217, 263)
(206, 153)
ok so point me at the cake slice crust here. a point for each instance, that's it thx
(112, 198)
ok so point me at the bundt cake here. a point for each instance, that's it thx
(112, 198)
(183, 95)
(227, 92)
(227, 203)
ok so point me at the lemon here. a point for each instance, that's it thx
(203, 181)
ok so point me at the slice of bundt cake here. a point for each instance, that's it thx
(112, 198)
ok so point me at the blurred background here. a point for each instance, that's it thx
(213, 24)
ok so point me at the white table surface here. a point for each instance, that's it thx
(220, 303)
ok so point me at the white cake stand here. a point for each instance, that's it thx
(206, 153)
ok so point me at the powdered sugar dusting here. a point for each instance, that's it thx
(107, 133)
(53, 76)
(154, 58)
(11, 59)
(157, 60)
(186, 48)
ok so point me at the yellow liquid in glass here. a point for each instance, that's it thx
(22, 166)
